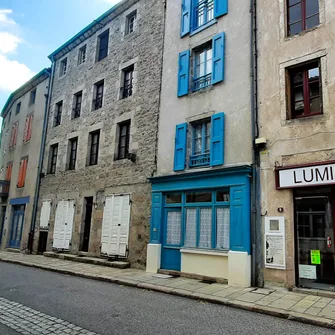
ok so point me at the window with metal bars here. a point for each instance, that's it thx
(77, 104)
(82, 55)
(130, 22)
(73, 144)
(124, 134)
(103, 45)
(203, 12)
(201, 143)
(53, 158)
(127, 89)
(302, 15)
(304, 90)
(58, 113)
(99, 92)
(94, 147)
(202, 76)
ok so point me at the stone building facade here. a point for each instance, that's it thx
(22, 128)
(104, 109)
(201, 192)
(296, 117)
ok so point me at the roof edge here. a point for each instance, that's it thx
(12, 97)
(87, 28)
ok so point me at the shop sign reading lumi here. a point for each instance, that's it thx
(302, 176)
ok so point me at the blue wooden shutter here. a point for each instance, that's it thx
(185, 17)
(220, 8)
(180, 147)
(183, 73)
(156, 217)
(218, 58)
(217, 139)
(240, 218)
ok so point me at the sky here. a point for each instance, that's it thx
(30, 30)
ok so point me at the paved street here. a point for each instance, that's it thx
(106, 308)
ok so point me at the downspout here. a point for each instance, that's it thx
(41, 158)
(256, 229)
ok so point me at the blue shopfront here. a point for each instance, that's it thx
(200, 223)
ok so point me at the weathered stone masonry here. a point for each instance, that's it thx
(143, 48)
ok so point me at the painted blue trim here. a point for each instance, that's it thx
(218, 67)
(180, 147)
(220, 8)
(185, 25)
(16, 229)
(217, 139)
(203, 27)
(19, 201)
(156, 217)
(237, 179)
(183, 73)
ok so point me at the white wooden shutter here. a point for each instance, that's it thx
(124, 228)
(58, 225)
(106, 225)
(61, 243)
(115, 225)
(68, 224)
(45, 213)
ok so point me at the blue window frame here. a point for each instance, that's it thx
(203, 13)
(201, 143)
(205, 219)
(203, 65)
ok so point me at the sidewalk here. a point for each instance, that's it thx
(310, 309)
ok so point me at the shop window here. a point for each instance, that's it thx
(173, 198)
(304, 90)
(201, 144)
(199, 197)
(223, 196)
(302, 15)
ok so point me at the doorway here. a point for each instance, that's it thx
(17, 226)
(87, 223)
(315, 239)
(2, 221)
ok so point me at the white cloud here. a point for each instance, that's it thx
(13, 74)
(8, 42)
(4, 19)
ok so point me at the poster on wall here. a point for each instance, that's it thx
(275, 242)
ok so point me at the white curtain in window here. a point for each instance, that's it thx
(205, 228)
(222, 228)
(191, 228)
(173, 234)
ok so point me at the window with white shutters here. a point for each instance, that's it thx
(45, 214)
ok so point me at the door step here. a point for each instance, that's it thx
(88, 260)
(205, 279)
(13, 250)
(319, 293)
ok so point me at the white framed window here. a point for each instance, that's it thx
(131, 22)
(82, 55)
(63, 67)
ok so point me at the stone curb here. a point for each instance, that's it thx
(293, 316)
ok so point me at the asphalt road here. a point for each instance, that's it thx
(107, 308)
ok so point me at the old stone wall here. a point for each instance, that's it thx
(295, 141)
(142, 48)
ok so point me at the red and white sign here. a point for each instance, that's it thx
(303, 176)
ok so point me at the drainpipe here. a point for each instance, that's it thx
(41, 158)
(256, 231)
